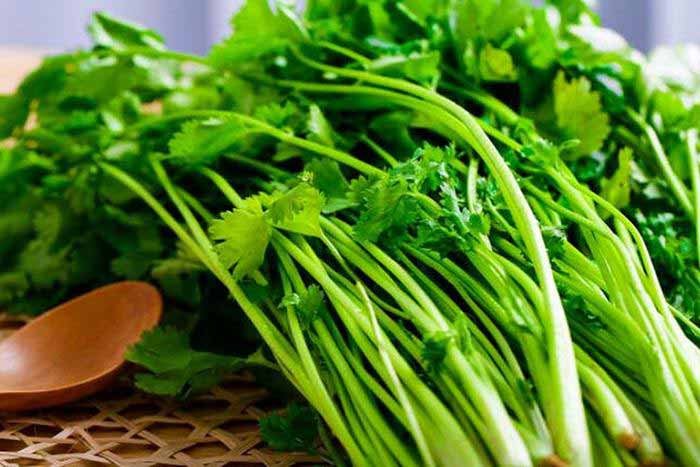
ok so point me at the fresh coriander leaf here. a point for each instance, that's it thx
(427, 169)
(486, 19)
(477, 222)
(200, 143)
(291, 299)
(571, 10)
(45, 267)
(617, 189)
(243, 96)
(327, 177)
(434, 350)
(685, 297)
(44, 259)
(295, 430)
(422, 67)
(194, 98)
(84, 87)
(463, 222)
(176, 369)
(324, 9)
(475, 22)
(670, 108)
(122, 151)
(79, 121)
(329, 180)
(278, 115)
(540, 41)
(319, 128)
(159, 75)
(386, 209)
(377, 20)
(13, 285)
(589, 169)
(360, 188)
(15, 164)
(129, 231)
(112, 33)
(579, 115)
(14, 110)
(257, 31)
(554, 241)
(16, 220)
(439, 239)
(49, 78)
(671, 251)
(424, 9)
(121, 112)
(496, 65)
(36, 302)
(308, 305)
(298, 210)
(243, 236)
(81, 193)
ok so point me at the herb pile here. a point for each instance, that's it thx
(465, 232)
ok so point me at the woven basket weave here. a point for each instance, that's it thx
(126, 428)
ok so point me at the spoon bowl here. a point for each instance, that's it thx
(77, 348)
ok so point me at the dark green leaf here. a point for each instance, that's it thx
(14, 110)
(295, 430)
(202, 142)
(176, 369)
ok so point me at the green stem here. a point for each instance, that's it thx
(676, 184)
(447, 430)
(335, 456)
(569, 424)
(349, 53)
(259, 125)
(322, 396)
(381, 152)
(694, 165)
(399, 391)
(263, 167)
(197, 206)
(282, 349)
(505, 113)
(610, 411)
(223, 186)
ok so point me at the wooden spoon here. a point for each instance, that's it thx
(77, 348)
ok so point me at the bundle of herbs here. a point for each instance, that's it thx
(465, 233)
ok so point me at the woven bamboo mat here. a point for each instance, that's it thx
(126, 428)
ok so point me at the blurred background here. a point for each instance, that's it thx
(193, 25)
